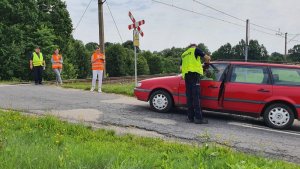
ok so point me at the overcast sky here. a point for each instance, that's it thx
(167, 26)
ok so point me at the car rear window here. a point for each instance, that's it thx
(286, 76)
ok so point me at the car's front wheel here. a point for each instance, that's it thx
(279, 116)
(161, 101)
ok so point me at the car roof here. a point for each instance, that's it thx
(258, 64)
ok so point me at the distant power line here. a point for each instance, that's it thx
(114, 21)
(226, 21)
(83, 15)
(208, 16)
(243, 20)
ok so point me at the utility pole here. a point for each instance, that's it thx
(285, 46)
(247, 40)
(101, 30)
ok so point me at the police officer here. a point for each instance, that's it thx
(192, 71)
(37, 64)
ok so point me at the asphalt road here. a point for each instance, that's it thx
(243, 133)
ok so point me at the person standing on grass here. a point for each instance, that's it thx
(97, 61)
(37, 64)
(192, 71)
(57, 62)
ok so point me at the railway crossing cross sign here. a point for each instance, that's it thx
(136, 32)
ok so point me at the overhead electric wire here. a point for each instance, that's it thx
(219, 11)
(188, 10)
(82, 15)
(254, 24)
(215, 18)
(114, 21)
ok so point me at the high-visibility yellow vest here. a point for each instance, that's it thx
(190, 63)
(37, 61)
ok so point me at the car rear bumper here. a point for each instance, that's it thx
(142, 94)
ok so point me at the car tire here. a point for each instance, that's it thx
(279, 116)
(161, 101)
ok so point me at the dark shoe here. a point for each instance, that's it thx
(40, 83)
(201, 121)
(189, 120)
(36, 83)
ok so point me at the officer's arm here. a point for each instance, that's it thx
(31, 62)
(92, 59)
(180, 67)
(199, 52)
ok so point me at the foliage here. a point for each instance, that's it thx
(23, 25)
(294, 54)
(129, 62)
(142, 65)
(46, 142)
(115, 60)
(276, 57)
(155, 64)
(47, 23)
(224, 51)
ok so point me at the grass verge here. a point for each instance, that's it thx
(46, 142)
(118, 88)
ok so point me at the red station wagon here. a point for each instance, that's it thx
(254, 89)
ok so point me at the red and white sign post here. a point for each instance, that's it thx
(136, 31)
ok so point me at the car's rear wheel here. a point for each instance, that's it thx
(161, 101)
(279, 116)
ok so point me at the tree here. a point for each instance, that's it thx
(142, 65)
(294, 54)
(129, 45)
(224, 52)
(79, 57)
(257, 51)
(204, 48)
(276, 57)
(91, 46)
(25, 24)
(171, 65)
(155, 64)
(129, 62)
(115, 60)
(238, 51)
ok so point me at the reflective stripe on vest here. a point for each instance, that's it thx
(37, 61)
(98, 64)
(190, 63)
(56, 62)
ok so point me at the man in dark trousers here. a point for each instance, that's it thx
(191, 68)
(37, 64)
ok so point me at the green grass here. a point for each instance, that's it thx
(46, 142)
(13, 82)
(118, 88)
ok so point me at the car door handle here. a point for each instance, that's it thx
(212, 87)
(263, 90)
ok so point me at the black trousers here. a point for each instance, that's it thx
(192, 85)
(38, 74)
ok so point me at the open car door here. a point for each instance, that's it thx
(210, 87)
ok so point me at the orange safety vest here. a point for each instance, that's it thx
(98, 64)
(56, 61)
